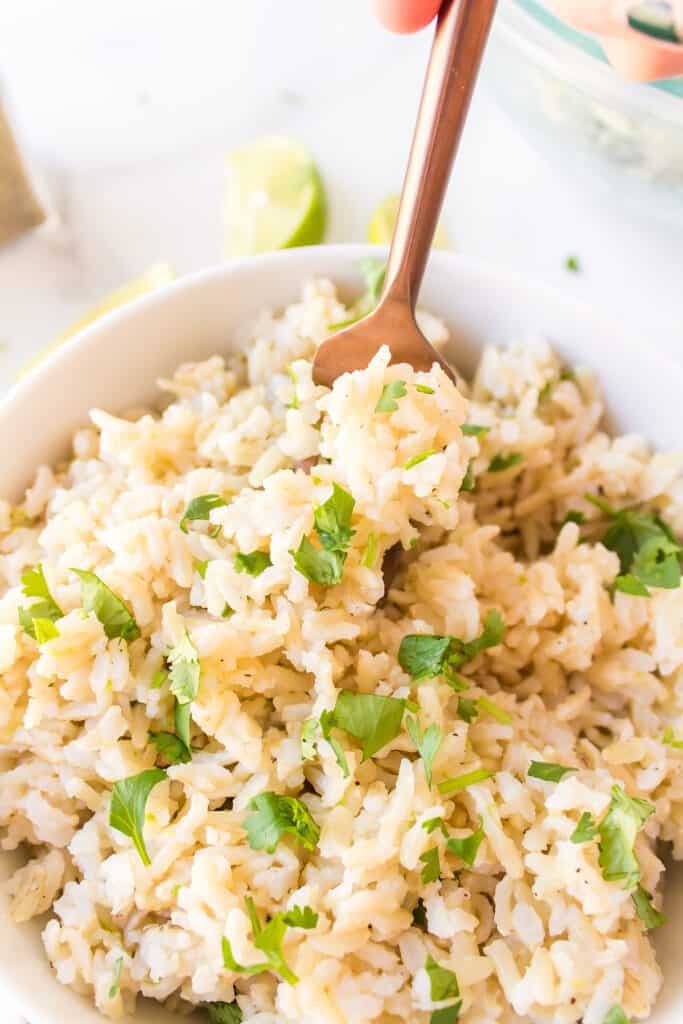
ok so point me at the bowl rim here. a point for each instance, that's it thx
(32, 1003)
(541, 46)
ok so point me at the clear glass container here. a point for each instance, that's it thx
(559, 89)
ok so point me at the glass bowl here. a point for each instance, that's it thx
(558, 87)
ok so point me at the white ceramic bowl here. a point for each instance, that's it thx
(114, 364)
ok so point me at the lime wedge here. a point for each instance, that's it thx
(383, 221)
(274, 198)
(157, 275)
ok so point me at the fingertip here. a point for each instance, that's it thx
(405, 15)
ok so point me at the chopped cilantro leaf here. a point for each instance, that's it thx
(618, 830)
(585, 830)
(301, 917)
(127, 807)
(572, 264)
(116, 980)
(252, 562)
(390, 392)
(489, 707)
(308, 733)
(468, 709)
(370, 718)
(467, 848)
(201, 568)
(318, 565)
(474, 430)
(44, 630)
(443, 983)
(427, 745)
(417, 459)
(171, 747)
(432, 868)
(200, 508)
(573, 516)
(109, 609)
(333, 520)
(425, 656)
(447, 1014)
(224, 1013)
(628, 584)
(34, 584)
(184, 670)
(670, 740)
(373, 272)
(460, 782)
(424, 389)
(468, 481)
(615, 1015)
(499, 463)
(433, 823)
(273, 816)
(159, 678)
(547, 771)
(268, 939)
(327, 723)
(649, 915)
(370, 553)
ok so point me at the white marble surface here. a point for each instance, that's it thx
(127, 110)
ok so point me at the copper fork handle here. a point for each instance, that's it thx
(459, 40)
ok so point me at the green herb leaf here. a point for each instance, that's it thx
(618, 830)
(185, 670)
(545, 392)
(373, 272)
(273, 816)
(110, 610)
(34, 584)
(646, 546)
(224, 1013)
(390, 392)
(573, 516)
(447, 1015)
(489, 707)
(201, 508)
(468, 709)
(461, 782)
(467, 848)
(44, 630)
(370, 554)
(327, 723)
(547, 771)
(585, 830)
(159, 678)
(333, 520)
(252, 562)
(417, 459)
(427, 745)
(370, 718)
(127, 807)
(474, 430)
(443, 983)
(499, 463)
(171, 747)
(116, 981)
(318, 565)
(572, 264)
(308, 734)
(201, 568)
(424, 389)
(670, 740)
(432, 868)
(423, 656)
(649, 915)
(301, 917)
(629, 584)
(432, 824)
(468, 481)
(615, 1015)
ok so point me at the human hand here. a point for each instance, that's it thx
(633, 54)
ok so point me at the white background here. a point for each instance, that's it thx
(128, 108)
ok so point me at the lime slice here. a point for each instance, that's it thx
(383, 222)
(157, 275)
(274, 198)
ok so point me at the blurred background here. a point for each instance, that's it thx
(126, 112)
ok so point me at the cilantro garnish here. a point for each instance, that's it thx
(273, 816)
(373, 272)
(432, 868)
(489, 707)
(44, 630)
(432, 824)
(417, 459)
(201, 508)
(268, 939)
(468, 709)
(224, 1013)
(34, 584)
(649, 554)
(332, 522)
(474, 430)
(116, 980)
(468, 481)
(423, 656)
(443, 983)
(617, 832)
(615, 1015)
(427, 745)
(127, 807)
(670, 740)
(390, 392)
(467, 848)
(547, 771)
(184, 670)
(572, 264)
(110, 610)
(424, 389)
(460, 782)
(171, 747)
(370, 718)
(573, 516)
(309, 739)
(252, 562)
(649, 915)
(585, 830)
(370, 553)
(159, 678)
(447, 1015)
(499, 463)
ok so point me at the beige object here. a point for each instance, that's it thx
(20, 207)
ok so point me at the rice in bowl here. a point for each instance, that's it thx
(248, 781)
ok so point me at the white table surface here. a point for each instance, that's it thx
(127, 110)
